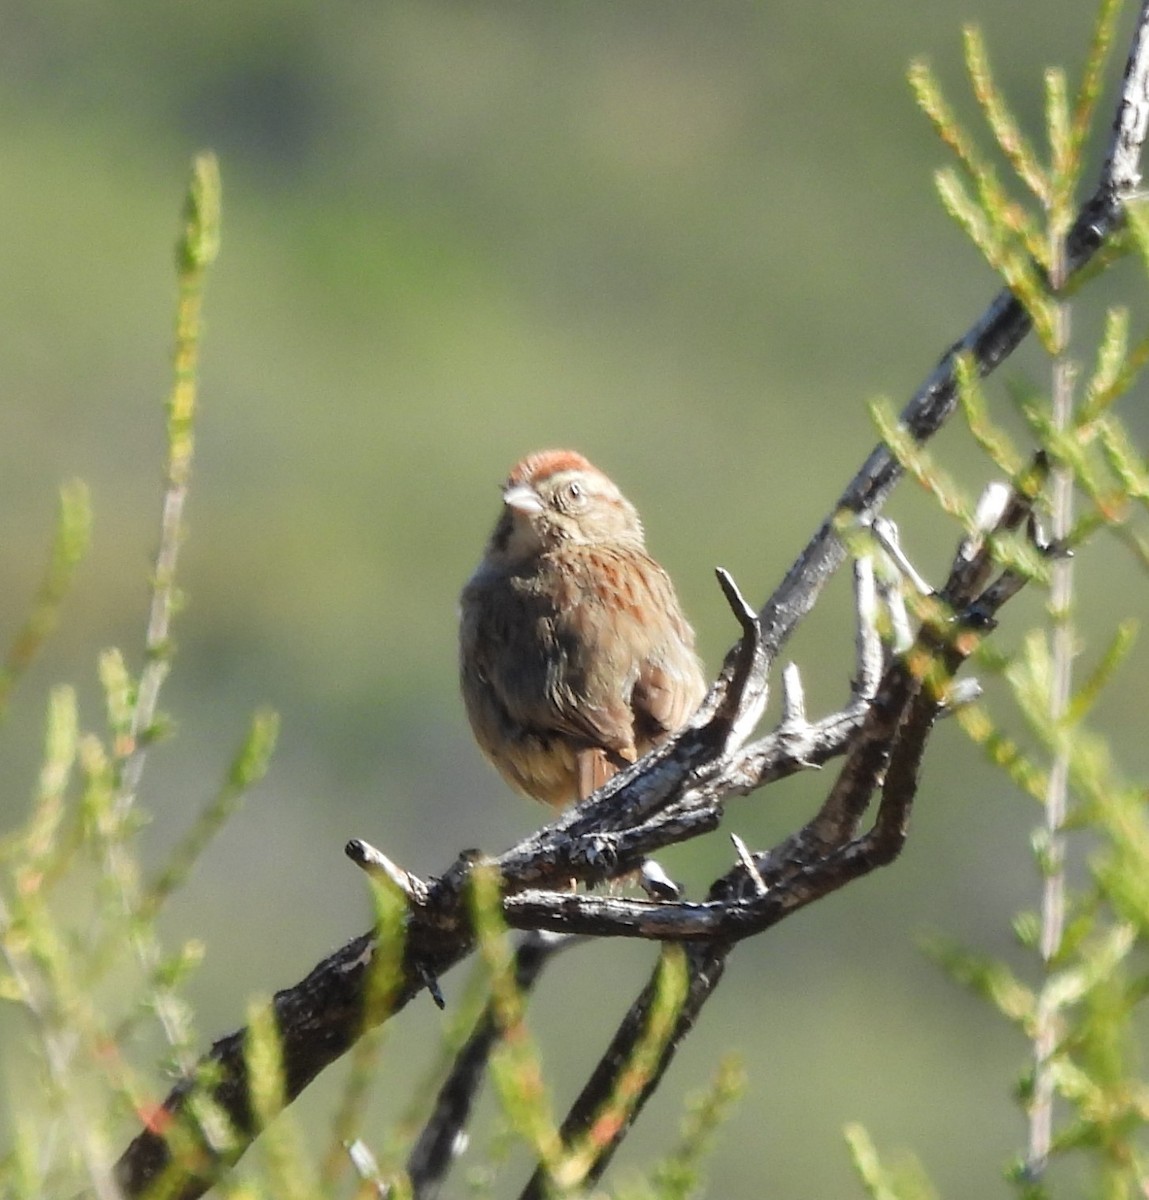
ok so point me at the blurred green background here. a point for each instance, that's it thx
(689, 240)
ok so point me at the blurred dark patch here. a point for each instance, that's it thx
(267, 113)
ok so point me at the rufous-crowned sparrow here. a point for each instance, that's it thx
(574, 655)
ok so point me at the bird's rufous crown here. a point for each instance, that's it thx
(545, 463)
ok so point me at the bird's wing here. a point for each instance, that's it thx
(631, 672)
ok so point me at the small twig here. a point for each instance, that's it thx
(380, 867)
(747, 861)
(431, 982)
(793, 700)
(746, 669)
(868, 654)
(656, 883)
(886, 535)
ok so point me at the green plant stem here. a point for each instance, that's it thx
(1057, 787)
(195, 252)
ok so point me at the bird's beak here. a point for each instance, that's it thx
(523, 499)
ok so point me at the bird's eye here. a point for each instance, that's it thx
(575, 494)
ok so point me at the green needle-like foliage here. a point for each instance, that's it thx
(1082, 1093)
